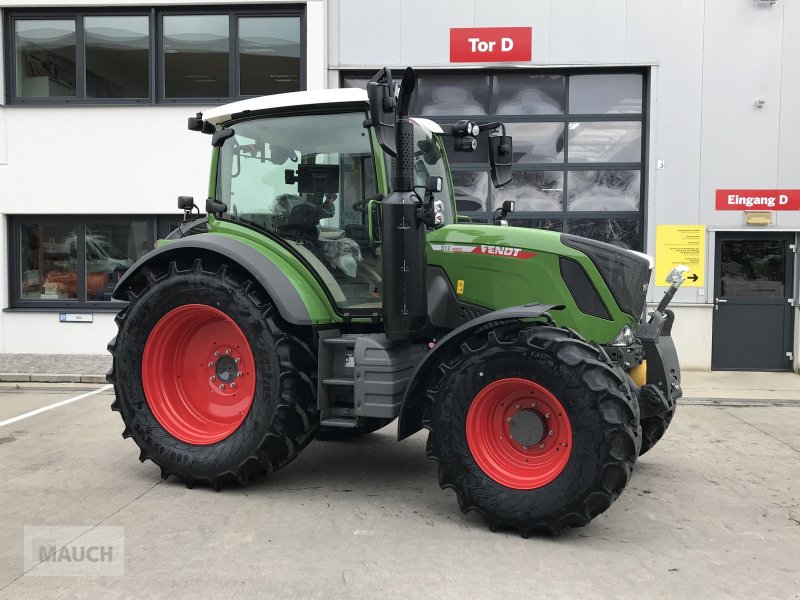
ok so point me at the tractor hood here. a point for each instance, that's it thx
(603, 286)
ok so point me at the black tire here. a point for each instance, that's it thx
(365, 426)
(654, 428)
(282, 418)
(603, 416)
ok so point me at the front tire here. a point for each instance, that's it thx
(532, 427)
(654, 428)
(208, 381)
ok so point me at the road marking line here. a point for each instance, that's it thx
(56, 405)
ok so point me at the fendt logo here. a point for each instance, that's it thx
(506, 251)
(500, 250)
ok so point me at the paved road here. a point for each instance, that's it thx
(712, 512)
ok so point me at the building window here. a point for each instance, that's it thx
(578, 159)
(117, 56)
(76, 261)
(196, 50)
(45, 58)
(145, 56)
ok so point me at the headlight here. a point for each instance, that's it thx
(438, 212)
(624, 338)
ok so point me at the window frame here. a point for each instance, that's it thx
(564, 215)
(156, 46)
(155, 223)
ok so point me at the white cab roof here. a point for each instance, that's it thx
(311, 98)
(223, 113)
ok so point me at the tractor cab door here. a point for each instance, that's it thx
(309, 179)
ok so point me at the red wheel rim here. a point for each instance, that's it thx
(494, 434)
(198, 374)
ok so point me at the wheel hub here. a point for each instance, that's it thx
(527, 428)
(226, 368)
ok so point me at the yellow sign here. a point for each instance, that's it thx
(681, 245)
(460, 286)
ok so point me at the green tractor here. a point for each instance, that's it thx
(332, 288)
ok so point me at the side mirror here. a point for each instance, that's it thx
(382, 105)
(374, 220)
(500, 158)
(313, 179)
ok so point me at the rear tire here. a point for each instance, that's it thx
(532, 487)
(654, 428)
(167, 333)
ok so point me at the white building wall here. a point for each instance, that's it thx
(739, 141)
(105, 160)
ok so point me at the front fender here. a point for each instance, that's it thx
(274, 280)
(414, 401)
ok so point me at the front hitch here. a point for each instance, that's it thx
(663, 385)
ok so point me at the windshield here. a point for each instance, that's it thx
(308, 179)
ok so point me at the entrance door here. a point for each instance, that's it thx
(753, 285)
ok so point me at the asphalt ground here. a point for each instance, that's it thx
(712, 512)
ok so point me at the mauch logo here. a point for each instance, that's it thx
(78, 551)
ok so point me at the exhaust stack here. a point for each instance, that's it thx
(405, 293)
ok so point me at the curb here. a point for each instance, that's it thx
(50, 378)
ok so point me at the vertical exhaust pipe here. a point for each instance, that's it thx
(405, 294)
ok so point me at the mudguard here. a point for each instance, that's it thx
(274, 281)
(414, 401)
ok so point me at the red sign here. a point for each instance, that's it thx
(490, 44)
(758, 199)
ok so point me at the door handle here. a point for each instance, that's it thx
(718, 301)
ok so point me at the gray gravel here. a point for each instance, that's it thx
(86, 368)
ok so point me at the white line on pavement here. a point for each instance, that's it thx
(56, 405)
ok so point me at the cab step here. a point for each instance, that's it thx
(339, 423)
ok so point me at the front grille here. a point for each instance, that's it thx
(626, 274)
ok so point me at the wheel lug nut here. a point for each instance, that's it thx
(216, 353)
(546, 415)
(211, 364)
(541, 445)
(517, 406)
(222, 386)
(550, 433)
(233, 385)
(237, 360)
(228, 351)
(238, 373)
(533, 404)
(213, 377)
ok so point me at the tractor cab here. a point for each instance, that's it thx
(312, 177)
